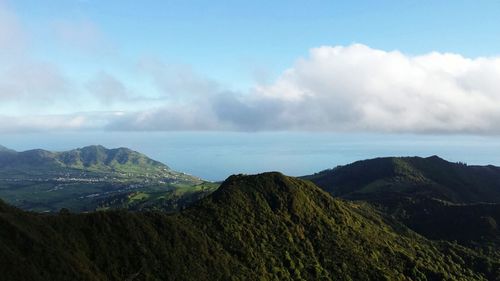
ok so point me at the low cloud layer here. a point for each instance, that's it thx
(359, 88)
(353, 88)
(57, 122)
(340, 88)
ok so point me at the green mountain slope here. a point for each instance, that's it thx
(263, 227)
(93, 177)
(95, 158)
(432, 177)
(436, 198)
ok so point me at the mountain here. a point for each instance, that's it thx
(393, 176)
(436, 198)
(94, 177)
(95, 158)
(262, 227)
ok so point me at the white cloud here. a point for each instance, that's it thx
(12, 35)
(360, 88)
(56, 122)
(177, 81)
(353, 88)
(107, 88)
(341, 88)
(28, 82)
(43, 123)
(334, 88)
(172, 117)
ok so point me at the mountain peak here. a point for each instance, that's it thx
(265, 183)
(93, 147)
(435, 158)
(269, 191)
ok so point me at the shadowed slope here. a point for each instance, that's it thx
(396, 176)
(436, 198)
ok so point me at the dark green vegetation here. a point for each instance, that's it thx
(93, 177)
(432, 177)
(436, 198)
(264, 227)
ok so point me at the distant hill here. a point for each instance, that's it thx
(95, 158)
(263, 227)
(94, 177)
(436, 198)
(432, 177)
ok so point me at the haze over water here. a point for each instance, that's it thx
(216, 155)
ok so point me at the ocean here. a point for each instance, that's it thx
(216, 155)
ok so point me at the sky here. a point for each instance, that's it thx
(370, 71)
(362, 66)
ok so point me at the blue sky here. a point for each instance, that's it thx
(229, 40)
(295, 86)
(250, 66)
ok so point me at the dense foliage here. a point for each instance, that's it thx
(264, 227)
(436, 198)
(432, 177)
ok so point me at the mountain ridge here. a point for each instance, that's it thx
(433, 176)
(436, 198)
(259, 227)
(93, 158)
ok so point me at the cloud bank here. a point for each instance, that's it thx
(360, 88)
(334, 88)
(344, 88)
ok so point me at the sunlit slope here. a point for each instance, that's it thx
(91, 178)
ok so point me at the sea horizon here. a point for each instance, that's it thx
(216, 155)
